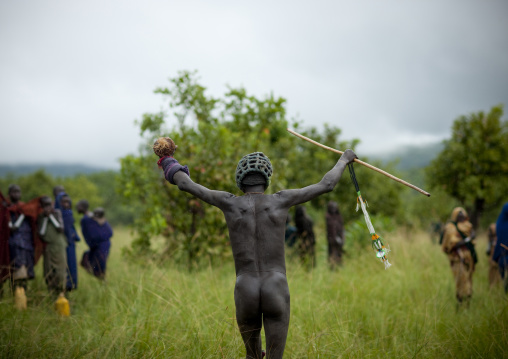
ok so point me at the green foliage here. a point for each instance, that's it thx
(80, 187)
(110, 198)
(136, 183)
(472, 168)
(34, 185)
(358, 239)
(223, 130)
(151, 122)
(423, 212)
(40, 183)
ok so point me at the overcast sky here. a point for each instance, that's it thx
(75, 75)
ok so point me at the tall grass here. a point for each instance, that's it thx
(359, 311)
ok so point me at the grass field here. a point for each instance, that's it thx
(359, 311)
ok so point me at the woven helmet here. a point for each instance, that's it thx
(254, 162)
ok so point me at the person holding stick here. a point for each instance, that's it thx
(458, 244)
(256, 224)
(306, 239)
(334, 234)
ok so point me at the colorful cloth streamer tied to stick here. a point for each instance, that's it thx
(377, 241)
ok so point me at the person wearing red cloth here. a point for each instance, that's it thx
(20, 247)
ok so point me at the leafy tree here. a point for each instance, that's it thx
(222, 130)
(33, 185)
(40, 183)
(472, 167)
(112, 201)
(80, 187)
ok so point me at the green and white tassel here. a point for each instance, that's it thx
(377, 241)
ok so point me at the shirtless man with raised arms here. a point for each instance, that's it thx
(256, 224)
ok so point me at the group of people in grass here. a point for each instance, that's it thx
(457, 241)
(46, 227)
(301, 236)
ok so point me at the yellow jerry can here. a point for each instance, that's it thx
(62, 306)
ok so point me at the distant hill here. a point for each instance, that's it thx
(411, 157)
(408, 157)
(411, 161)
(54, 169)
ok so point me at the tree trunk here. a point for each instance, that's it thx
(476, 213)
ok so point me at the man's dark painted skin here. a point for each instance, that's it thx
(256, 224)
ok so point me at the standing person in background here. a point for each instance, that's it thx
(436, 229)
(64, 203)
(5, 260)
(290, 233)
(305, 237)
(21, 242)
(56, 191)
(50, 226)
(458, 244)
(97, 233)
(20, 230)
(501, 249)
(334, 234)
(82, 207)
(494, 276)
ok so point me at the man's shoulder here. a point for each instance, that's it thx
(264, 196)
(285, 192)
(86, 219)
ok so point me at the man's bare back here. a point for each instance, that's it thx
(256, 224)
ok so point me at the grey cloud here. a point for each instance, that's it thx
(76, 75)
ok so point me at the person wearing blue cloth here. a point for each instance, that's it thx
(63, 203)
(82, 208)
(501, 249)
(97, 233)
(290, 233)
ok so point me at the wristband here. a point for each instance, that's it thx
(161, 159)
(171, 166)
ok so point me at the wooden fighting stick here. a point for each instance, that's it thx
(361, 163)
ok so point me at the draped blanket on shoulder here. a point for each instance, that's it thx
(30, 209)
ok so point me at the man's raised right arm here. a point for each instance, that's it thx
(179, 175)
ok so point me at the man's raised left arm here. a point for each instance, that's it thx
(327, 183)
